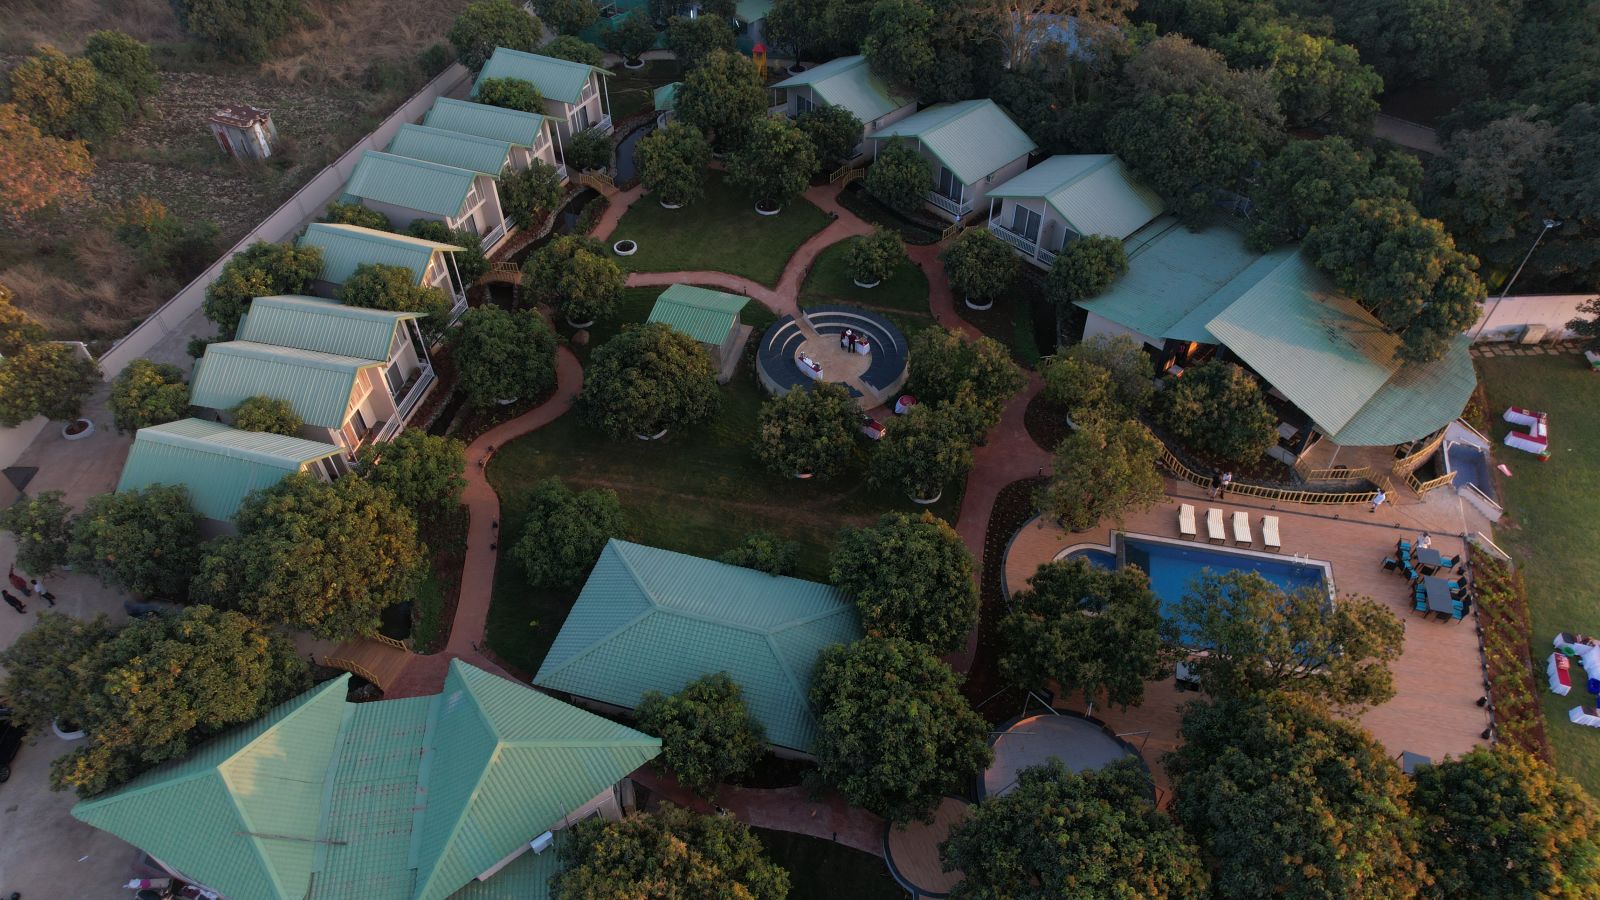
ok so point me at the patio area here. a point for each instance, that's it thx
(1438, 678)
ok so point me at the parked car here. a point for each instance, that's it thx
(11, 736)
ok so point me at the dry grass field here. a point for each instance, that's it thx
(327, 83)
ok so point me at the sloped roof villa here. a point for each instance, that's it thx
(971, 147)
(847, 82)
(414, 799)
(651, 619)
(575, 95)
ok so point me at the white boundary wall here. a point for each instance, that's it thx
(1506, 321)
(303, 207)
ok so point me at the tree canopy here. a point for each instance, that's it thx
(1311, 182)
(422, 470)
(835, 132)
(633, 36)
(18, 328)
(356, 214)
(565, 531)
(981, 266)
(271, 415)
(40, 685)
(575, 274)
(774, 163)
(1082, 389)
(531, 194)
(707, 733)
(503, 355)
(37, 169)
(1085, 268)
(646, 379)
(1132, 373)
(47, 380)
(924, 450)
(948, 369)
(42, 525)
(245, 28)
(486, 24)
(122, 61)
(509, 93)
(1292, 802)
(760, 550)
(669, 852)
(896, 733)
(259, 270)
(572, 48)
(1259, 638)
(148, 393)
(808, 431)
(1498, 822)
(1219, 409)
(146, 541)
(1088, 629)
(328, 558)
(1101, 471)
(567, 16)
(900, 177)
(911, 577)
(673, 162)
(470, 263)
(1060, 833)
(875, 256)
(694, 41)
(395, 289)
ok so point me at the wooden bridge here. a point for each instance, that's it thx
(378, 659)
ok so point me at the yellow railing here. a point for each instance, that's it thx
(1422, 487)
(846, 174)
(397, 644)
(1339, 474)
(600, 181)
(952, 231)
(353, 667)
(1410, 463)
(1277, 495)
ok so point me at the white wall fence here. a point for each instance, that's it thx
(1507, 320)
(306, 204)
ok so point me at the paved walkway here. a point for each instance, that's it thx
(780, 809)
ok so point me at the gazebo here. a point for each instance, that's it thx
(710, 317)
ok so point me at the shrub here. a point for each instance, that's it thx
(165, 243)
(647, 379)
(589, 149)
(509, 93)
(47, 380)
(487, 24)
(980, 265)
(900, 178)
(18, 329)
(808, 431)
(122, 61)
(57, 92)
(356, 214)
(874, 257)
(573, 49)
(395, 289)
(576, 275)
(565, 531)
(268, 415)
(707, 732)
(503, 355)
(43, 529)
(834, 131)
(764, 552)
(1218, 409)
(672, 163)
(567, 16)
(1085, 268)
(471, 264)
(774, 163)
(145, 541)
(245, 28)
(147, 393)
(37, 170)
(260, 270)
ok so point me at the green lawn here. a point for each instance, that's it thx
(633, 90)
(720, 232)
(698, 490)
(1550, 523)
(829, 282)
(822, 869)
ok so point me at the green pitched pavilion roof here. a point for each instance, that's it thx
(396, 800)
(219, 465)
(344, 247)
(1095, 194)
(972, 138)
(317, 385)
(650, 619)
(452, 148)
(1172, 273)
(465, 117)
(752, 10)
(848, 82)
(666, 96)
(705, 315)
(1337, 363)
(410, 183)
(323, 326)
(555, 79)
(241, 814)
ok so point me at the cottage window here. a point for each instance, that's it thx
(949, 185)
(1025, 222)
(802, 104)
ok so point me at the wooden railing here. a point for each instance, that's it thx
(951, 231)
(846, 174)
(1342, 473)
(600, 181)
(1277, 495)
(392, 642)
(1422, 487)
(353, 667)
(1404, 467)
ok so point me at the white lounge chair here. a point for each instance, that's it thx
(1269, 533)
(1241, 528)
(1186, 522)
(1214, 526)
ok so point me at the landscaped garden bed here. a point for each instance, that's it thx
(1503, 618)
(822, 868)
(719, 232)
(435, 602)
(921, 229)
(1013, 507)
(829, 282)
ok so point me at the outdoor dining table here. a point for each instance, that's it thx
(1430, 557)
(1439, 599)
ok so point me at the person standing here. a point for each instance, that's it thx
(12, 601)
(1425, 541)
(1227, 482)
(18, 583)
(39, 591)
(1377, 499)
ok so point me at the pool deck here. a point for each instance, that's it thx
(1438, 678)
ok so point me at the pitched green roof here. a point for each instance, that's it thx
(705, 315)
(323, 326)
(465, 117)
(650, 619)
(1172, 273)
(344, 247)
(525, 878)
(410, 183)
(666, 96)
(1337, 363)
(452, 148)
(219, 465)
(1095, 194)
(241, 814)
(317, 385)
(752, 10)
(395, 800)
(972, 138)
(849, 82)
(555, 79)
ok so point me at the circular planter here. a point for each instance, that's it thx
(77, 429)
(579, 326)
(62, 733)
(762, 210)
(625, 248)
(804, 475)
(666, 205)
(795, 69)
(652, 437)
(508, 402)
(971, 305)
(868, 286)
(633, 64)
(929, 502)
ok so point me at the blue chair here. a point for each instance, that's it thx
(1403, 545)
(1594, 686)
(1421, 606)
(1391, 564)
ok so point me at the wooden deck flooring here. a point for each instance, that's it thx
(377, 662)
(1438, 679)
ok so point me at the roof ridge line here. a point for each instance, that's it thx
(703, 617)
(426, 879)
(794, 681)
(329, 783)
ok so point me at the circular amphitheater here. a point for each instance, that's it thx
(873, 378)
(1079, 742)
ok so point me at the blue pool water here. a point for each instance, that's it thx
(1173, 567)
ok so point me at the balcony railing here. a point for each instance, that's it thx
(604, 124)
(956, 208)
(493, 236)
(1028, 248)
(410, 394)
(561, 171)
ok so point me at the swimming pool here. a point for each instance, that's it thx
(1174, 565)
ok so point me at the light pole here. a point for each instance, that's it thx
(1548, 224)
